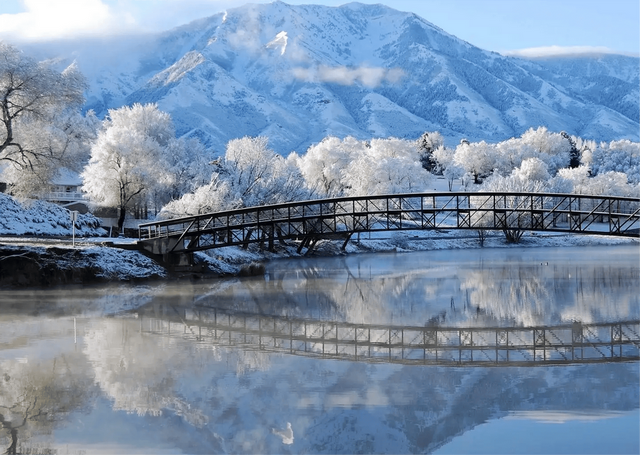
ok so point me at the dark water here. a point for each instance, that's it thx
(142, 369)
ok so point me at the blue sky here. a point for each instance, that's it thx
(497, 25)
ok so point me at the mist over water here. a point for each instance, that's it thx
(132, 368)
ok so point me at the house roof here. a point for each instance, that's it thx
(67, 177)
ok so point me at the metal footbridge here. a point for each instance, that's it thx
(573, 343)
(339, 218)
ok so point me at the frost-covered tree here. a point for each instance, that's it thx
(72, 140)
(511, 153)
(531, 177)
(257, 175)
(446, 165)
(586, 148)
(188, 164)
(387, 166)
(610, 183)
(250, 174)
(212, 197)
(613, 183)
(532, 170)
(477, 158)
(324, 163)
(619, 156)
(131, 158)
(553, 148)
(444, 157)
(38, 107)
(576, 179)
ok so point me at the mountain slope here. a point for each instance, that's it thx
(299, 73)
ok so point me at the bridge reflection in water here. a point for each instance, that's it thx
(429, 345)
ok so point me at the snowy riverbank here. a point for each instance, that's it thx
(32, 254)
(42, 262)
(40, 266)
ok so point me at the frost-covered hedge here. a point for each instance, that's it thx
(33, 217)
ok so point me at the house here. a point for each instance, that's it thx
(65, 189)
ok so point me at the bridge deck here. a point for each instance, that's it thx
(427, 345)
(309, 221)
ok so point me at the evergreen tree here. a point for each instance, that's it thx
(574, 153)
(427, 144)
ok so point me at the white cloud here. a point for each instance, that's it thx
(555, 51)
(369, 76)
(43, 20)
(49, 19)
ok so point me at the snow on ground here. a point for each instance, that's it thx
(118, 264)
(33, 217)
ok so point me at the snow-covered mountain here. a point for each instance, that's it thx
(300, 73)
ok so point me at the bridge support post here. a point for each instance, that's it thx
(344, 245)
(246, 239)
(178, 260)
(272, 236)
(312, 245)
(305, 241)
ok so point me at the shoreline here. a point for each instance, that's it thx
(49, 262)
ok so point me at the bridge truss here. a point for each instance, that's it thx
(340, 218)
(574, 343)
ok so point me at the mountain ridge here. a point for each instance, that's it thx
(300, 73)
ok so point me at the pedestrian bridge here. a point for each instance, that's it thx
(339, 218)
(571, 343)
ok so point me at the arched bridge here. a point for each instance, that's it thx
(563, 344)
(340, 218)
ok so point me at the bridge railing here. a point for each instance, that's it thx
(346, 215)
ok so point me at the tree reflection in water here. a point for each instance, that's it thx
(428, 288)
(35, 396)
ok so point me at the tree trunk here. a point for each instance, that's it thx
(122, 214)
(12, 450)
(482, 235)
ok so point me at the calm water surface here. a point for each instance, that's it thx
(145, 369)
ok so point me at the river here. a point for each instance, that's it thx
(319, 356)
